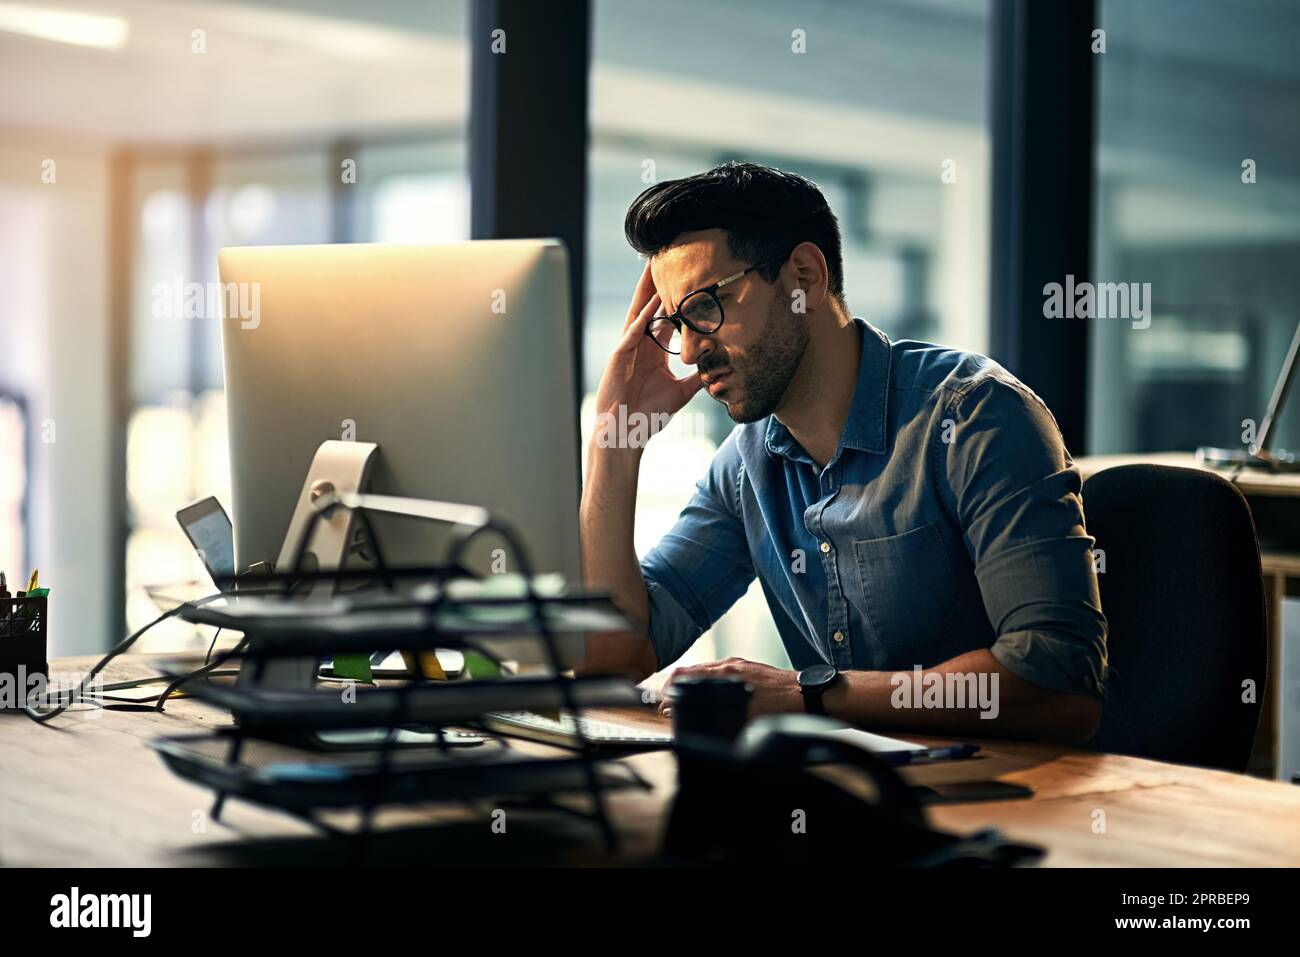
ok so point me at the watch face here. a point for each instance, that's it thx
(816, 675)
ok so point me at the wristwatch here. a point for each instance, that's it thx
(813, 683)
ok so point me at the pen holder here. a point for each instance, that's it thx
(23, 623)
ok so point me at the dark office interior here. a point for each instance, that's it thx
(974, 151)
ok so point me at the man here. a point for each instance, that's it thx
(910, 511)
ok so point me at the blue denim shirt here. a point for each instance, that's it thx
(949, 519)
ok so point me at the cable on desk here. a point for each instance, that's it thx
(40, 717)
(208, 665)
(208, 656)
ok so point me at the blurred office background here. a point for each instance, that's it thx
(175, 128)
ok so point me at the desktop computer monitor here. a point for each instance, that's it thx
(457, 360)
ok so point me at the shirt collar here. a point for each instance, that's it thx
(864, 430)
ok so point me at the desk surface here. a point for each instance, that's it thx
(91, 792)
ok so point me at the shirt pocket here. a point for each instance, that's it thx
(903, 580)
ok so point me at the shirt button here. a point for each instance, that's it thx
(826, 547)
(839, 636)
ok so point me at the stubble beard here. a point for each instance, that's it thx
(760, 381)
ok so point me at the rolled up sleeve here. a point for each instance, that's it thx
(702, 566)
(1017, 496)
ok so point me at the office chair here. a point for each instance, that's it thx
(1184, 598)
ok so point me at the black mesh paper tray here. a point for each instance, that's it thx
(295, 628)
(435, 702)
(281, 776)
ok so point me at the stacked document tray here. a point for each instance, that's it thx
(272, 756)
(303, 783)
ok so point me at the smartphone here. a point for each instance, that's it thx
(208, 528)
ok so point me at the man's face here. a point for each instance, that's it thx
(748, 364)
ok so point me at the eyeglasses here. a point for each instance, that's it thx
(701, 311)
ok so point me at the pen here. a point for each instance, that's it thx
(951, 753)
(34, 581)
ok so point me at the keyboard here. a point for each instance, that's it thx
(564, 732)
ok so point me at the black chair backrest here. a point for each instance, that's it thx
(1184, 598)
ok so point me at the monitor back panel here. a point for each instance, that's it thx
(455, 359)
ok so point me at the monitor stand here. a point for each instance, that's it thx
(338, 468)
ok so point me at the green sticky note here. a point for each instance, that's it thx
(480, 666)
(355, 666)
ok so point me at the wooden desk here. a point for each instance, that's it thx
(1281, 571)
(91, 792)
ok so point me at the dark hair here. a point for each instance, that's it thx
(766, 212)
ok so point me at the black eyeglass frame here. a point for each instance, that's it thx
(678, 320)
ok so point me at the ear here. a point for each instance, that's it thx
(811, 277)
